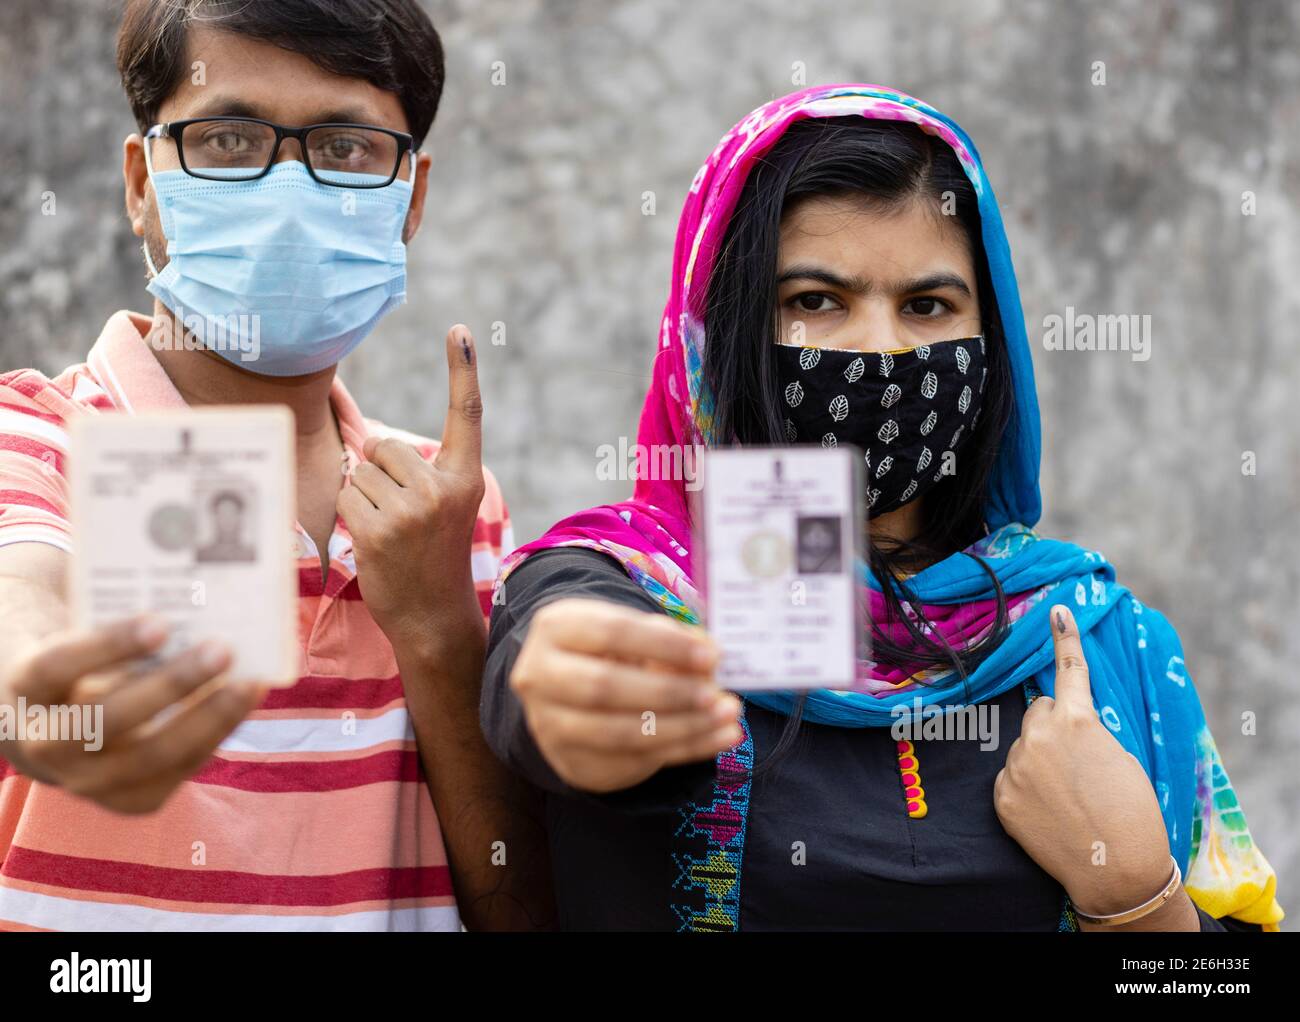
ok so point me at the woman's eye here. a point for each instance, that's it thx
(813, 301)
(927, 307)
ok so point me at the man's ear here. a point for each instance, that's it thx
(135, 176)
(419, 188)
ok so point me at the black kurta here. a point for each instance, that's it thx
(829, 843)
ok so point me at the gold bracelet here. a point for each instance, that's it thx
(1145, 909)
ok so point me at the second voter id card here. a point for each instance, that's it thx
(778, 546)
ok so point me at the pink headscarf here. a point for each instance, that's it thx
(650, 535)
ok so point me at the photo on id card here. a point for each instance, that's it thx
(780, 538)
(190, 515)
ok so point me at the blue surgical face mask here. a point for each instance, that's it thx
(283, 276)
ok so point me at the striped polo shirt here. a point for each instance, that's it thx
(313, 813)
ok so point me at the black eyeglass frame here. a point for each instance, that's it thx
(176, 130)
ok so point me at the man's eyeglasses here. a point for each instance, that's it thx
(245, 148)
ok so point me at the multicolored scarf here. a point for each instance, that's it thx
(1140, 683)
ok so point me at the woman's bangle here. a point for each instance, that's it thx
(1145, 909)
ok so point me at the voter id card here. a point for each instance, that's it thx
(190, 515)
(779, 541)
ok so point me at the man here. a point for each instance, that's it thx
(272, 251)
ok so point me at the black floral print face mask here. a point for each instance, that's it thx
(910, 411)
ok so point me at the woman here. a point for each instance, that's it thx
(844, 240)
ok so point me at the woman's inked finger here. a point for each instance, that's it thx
(1073, 690)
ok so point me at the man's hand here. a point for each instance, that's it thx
(142, 759)
(612, 694)
(412, 522)
(412, 526)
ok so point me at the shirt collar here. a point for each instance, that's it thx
(125, 366)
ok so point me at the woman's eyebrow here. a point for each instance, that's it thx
(862, 285)
(932, 282)
(806, 271)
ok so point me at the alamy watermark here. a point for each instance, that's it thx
(236, 332)
(669, 462)
(1084, 331)
(72, 723)
(945, 723)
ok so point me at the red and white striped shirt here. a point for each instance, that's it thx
(313, 813)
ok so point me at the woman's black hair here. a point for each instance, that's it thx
(891, 164)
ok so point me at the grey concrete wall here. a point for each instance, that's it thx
(1119, 198)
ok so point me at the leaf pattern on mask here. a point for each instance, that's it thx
(835, 399)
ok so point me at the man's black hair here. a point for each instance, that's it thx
(390, 43)
(226, 497)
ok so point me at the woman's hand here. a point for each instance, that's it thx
(612, 694)
(1077, 802)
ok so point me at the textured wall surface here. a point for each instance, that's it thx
(1122, 197)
